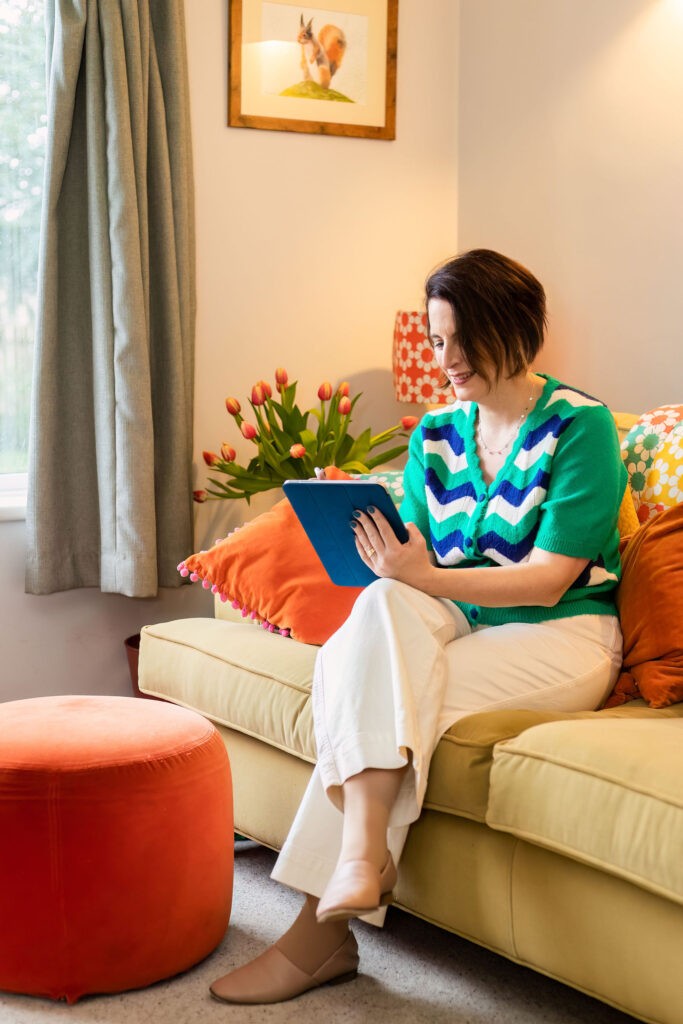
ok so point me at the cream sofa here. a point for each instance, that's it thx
(555, 840)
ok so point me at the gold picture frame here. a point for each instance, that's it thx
(326, 68)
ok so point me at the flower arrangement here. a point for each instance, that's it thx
(287, 448)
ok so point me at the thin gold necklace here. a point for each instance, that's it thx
(499, 451)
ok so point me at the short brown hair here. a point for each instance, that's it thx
(498, 307)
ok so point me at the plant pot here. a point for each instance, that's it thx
(132, 645)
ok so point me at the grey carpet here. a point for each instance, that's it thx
(412, 973)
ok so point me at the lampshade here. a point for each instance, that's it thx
(417, 378)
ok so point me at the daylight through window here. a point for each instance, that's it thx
(23, 129)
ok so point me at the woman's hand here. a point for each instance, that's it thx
(383, 552)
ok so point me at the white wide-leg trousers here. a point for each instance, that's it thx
(400, 671)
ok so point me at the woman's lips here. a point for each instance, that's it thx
(461, 378)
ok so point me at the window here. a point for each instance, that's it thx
(23, 122)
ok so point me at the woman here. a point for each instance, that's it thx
(522, 474)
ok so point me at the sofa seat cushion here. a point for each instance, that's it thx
(604, 792)
(235, 674)
(460, 771)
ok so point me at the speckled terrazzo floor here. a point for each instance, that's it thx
(412, 973)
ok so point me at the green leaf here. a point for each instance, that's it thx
(354, 466)
(393, 453)
(309, 440)
(384, 436)
(360, 447)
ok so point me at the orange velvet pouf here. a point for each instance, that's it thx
(116, 843)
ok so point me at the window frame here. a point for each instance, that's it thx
(13, 491)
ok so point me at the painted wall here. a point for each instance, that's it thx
(306, 247)
(571, 160)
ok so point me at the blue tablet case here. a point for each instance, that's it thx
(325, 509)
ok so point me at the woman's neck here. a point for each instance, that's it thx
(510, 399)
(500, 417)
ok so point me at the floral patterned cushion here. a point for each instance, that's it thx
(653, 454)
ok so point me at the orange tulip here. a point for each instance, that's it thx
(281, 378)
(408, 422)
(228, 453)
(343, 388)
(344, 405)
(325, 391)
(210, 458)
(258, 395)
(200, 496)
(233, 406)
(297, 451)
(267, 390)
(248, 430)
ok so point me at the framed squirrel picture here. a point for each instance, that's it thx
(328, 68)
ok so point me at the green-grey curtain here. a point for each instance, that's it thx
(110, 500)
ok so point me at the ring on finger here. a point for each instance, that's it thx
(371, 552)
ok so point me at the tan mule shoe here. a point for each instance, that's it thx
(357, 888)
(273, 978)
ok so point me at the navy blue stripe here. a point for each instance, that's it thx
(445, 494)
(583, 579)
(515, 495)
(556, 425)
(446, 433)
(515, 552)
(445, 546)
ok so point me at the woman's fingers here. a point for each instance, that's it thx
(376, 529)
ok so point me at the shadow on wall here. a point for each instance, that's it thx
(377, 407)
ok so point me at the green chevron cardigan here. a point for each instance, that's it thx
(560, 489)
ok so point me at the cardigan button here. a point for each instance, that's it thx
(468, 542)
(474, 613)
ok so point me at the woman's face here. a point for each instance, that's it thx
(467, 385)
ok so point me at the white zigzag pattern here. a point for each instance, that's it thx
(599, 575)
(571, 398)
(546, 446)
(440, 512)
(510, 513)
(454, 557)
(454, 463)
(448, 410)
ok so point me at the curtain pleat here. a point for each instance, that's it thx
(110, 453)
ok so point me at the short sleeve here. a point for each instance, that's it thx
(414, 505)
(587, 482)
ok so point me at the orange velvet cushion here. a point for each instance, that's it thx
(270, 570)
(116, 843)
(650, 603)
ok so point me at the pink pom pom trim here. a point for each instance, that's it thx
(184, 572)
(206, 584)
(235, 604)
(284, 632)
(214, 589)
(194, 577)
(224, 598)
